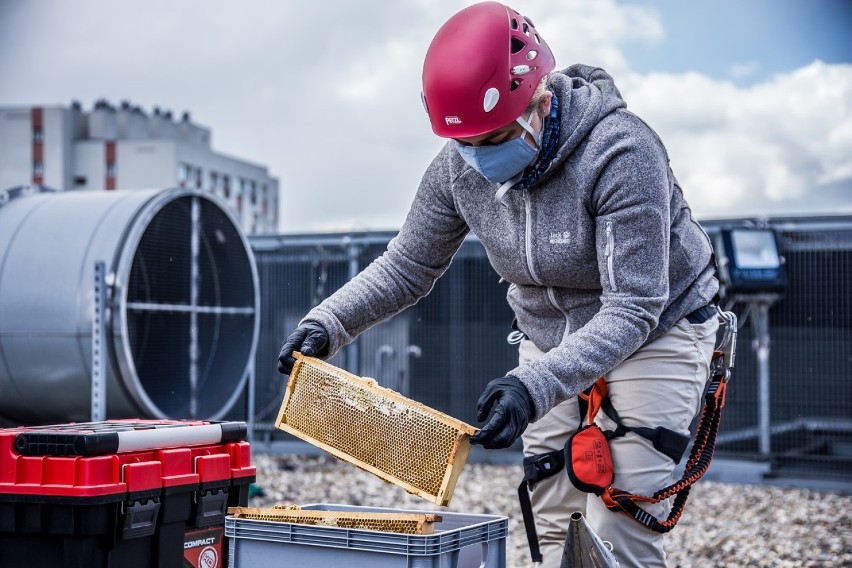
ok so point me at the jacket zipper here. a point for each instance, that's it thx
(610, 253)
(551, 294)
(528, 237)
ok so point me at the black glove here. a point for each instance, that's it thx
(310, 338)
(510, 407)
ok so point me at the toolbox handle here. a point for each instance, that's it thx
(153, 438)
(136, 440)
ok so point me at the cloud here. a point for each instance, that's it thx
(771, 147)
(578, 30)
(743, 70)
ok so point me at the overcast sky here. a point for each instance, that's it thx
(753, 98)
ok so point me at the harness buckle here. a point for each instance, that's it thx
(542, 466)
(728, 345)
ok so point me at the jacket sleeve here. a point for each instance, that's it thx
(630, 201)
(421, 252)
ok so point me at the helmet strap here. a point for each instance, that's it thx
(527, 125)
(506, 186)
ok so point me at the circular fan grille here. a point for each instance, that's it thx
(190, 311)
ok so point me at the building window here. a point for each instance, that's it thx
(198, 176)
(214, 181)
(183, 173)
(38, 134)
(38, 169)
(226, 186)
(110, 169)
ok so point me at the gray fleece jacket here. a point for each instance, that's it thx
(602, 254)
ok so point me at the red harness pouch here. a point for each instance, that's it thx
(588, 461)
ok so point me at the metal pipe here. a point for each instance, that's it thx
(353, 251)
(378, 365)
(760, 324)
(584, 548)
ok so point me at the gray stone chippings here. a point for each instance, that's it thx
(725, 525)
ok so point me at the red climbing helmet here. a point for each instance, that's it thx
(481, 70)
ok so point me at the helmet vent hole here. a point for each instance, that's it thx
(514, 24)
(526, 29)
(517, 45)
(515, 84)
(537, 39)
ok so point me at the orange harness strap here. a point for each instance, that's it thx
(699, 461)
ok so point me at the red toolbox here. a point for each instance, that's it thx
(121, 493)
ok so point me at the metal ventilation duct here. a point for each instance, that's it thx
(182, 304)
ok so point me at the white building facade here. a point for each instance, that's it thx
(124, 148)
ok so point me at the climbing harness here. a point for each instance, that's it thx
(586, 456)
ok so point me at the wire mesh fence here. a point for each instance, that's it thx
(443, 350)
(809, 399)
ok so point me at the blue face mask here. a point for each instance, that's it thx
(501, 162)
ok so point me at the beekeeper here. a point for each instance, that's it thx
(610, 275)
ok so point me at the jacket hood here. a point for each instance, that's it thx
(586, 95)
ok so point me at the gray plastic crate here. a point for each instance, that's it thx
(460, 541)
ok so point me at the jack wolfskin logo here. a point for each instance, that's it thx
(452, 120)
(560, 237)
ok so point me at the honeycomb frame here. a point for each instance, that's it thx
(405, 523)
(375, 428)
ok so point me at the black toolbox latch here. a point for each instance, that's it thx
(210, 507)
(140, 518)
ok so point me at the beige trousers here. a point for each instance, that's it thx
(659, 385)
